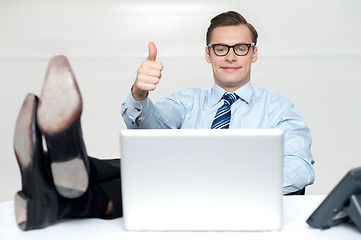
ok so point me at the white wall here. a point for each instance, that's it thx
(309, 51)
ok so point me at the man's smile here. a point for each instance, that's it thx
(230, 68)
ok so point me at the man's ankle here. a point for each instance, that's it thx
(110, 208)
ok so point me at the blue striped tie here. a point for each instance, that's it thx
(223, 115)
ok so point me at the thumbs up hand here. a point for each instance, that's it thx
(148, 75)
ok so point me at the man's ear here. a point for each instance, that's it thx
(254, 54)
(208, 58)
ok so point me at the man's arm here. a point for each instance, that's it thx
(167, 113)
(138, 111)
(298, 170)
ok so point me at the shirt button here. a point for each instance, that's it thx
(137, 120)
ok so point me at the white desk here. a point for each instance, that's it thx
(296, 210)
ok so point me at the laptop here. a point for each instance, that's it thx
(202, 180)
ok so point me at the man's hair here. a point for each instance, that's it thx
(230, 18)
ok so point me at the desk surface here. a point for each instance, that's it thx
(296, 210)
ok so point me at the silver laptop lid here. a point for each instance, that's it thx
(202, 179)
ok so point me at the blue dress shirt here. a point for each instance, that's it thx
(194, 108)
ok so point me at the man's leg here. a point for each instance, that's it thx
(39, 203)
(106, 174)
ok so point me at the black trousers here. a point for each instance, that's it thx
(106, 174)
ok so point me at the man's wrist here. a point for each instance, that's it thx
(139, 96)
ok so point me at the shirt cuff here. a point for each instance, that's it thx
(134, 110)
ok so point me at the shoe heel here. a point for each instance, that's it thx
(70, 177)
(22, 203)
(34, 214)
(69, 161)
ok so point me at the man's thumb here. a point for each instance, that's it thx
(152, 51)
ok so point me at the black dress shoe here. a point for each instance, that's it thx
(36, 205)
(59, 112)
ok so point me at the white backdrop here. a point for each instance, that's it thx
(309, 51)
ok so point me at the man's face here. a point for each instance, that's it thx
(231, 72)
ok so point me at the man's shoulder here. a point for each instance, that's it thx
(270, 95)
(189, 91)
(185, 97)
(273, 103)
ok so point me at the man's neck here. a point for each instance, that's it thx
(232, 89)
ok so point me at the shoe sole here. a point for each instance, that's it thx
(33, 201)
(59, 111)
(24, 152)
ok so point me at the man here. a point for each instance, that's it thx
(66, 183)
(231, 50)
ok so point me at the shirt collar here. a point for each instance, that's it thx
(245, 93)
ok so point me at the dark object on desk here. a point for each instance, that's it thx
(341, 205)
(300, 192)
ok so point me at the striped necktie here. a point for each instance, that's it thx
(223, 115)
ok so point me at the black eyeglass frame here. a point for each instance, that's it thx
(249, 45)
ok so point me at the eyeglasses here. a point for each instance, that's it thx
(223, 49)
